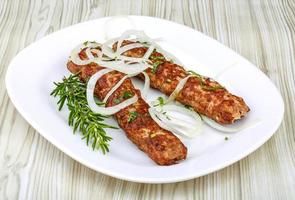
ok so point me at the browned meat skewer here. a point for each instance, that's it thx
(160, 145)
(203, 94)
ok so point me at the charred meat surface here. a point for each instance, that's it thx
(159, 144)
(203, 94)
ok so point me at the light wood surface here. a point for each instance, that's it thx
(263, 31)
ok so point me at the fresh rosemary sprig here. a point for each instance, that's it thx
(73, 92)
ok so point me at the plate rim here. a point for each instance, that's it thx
(83, 161)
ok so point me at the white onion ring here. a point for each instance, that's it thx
(126, 35)
(99, 109)
(114, 88)
(149, 52)
(108, 51)
(179, 87)
(176, 125)
(153, 115)
(141, 36)
(143, 93)
(97, 52)
(181, 109)
(120, 66)
(228, 129)
(128, 47)
(89, 54)
(146, 86)
(75, 52)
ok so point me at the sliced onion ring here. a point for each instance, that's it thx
(114, 88)
(149, 52)
(128, 47)
(176, 125)
(97, 52)
(146, 86)
(141, 36)
(88, 45)
(143, 93)
(179, 87)
(120, 66)
(104, 110)
(228, 129)
(88, 53)
(154, 116)
(108, 51)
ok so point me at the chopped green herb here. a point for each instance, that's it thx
(155, 66)
(132, 116)
(117, 101)
(161, 101)
(157, 57)
(226, 138)
(203, 84)
(86, 42)
(212, 88)
(196, 74)
(127, 94)
(142, 42)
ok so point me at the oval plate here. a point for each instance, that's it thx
(30, 77)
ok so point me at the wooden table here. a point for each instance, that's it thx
(263, 31)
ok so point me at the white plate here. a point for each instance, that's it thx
(30, 77)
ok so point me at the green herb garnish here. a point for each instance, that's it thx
(157, 57)
(127, 94)
(117, 101)
(161, 102)
(196, 74)
(146, 43)
(212, 88)
(86, 42)
(155, 66)
(203, 83)
(132, 116)
(157, 60)
(72, 92)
